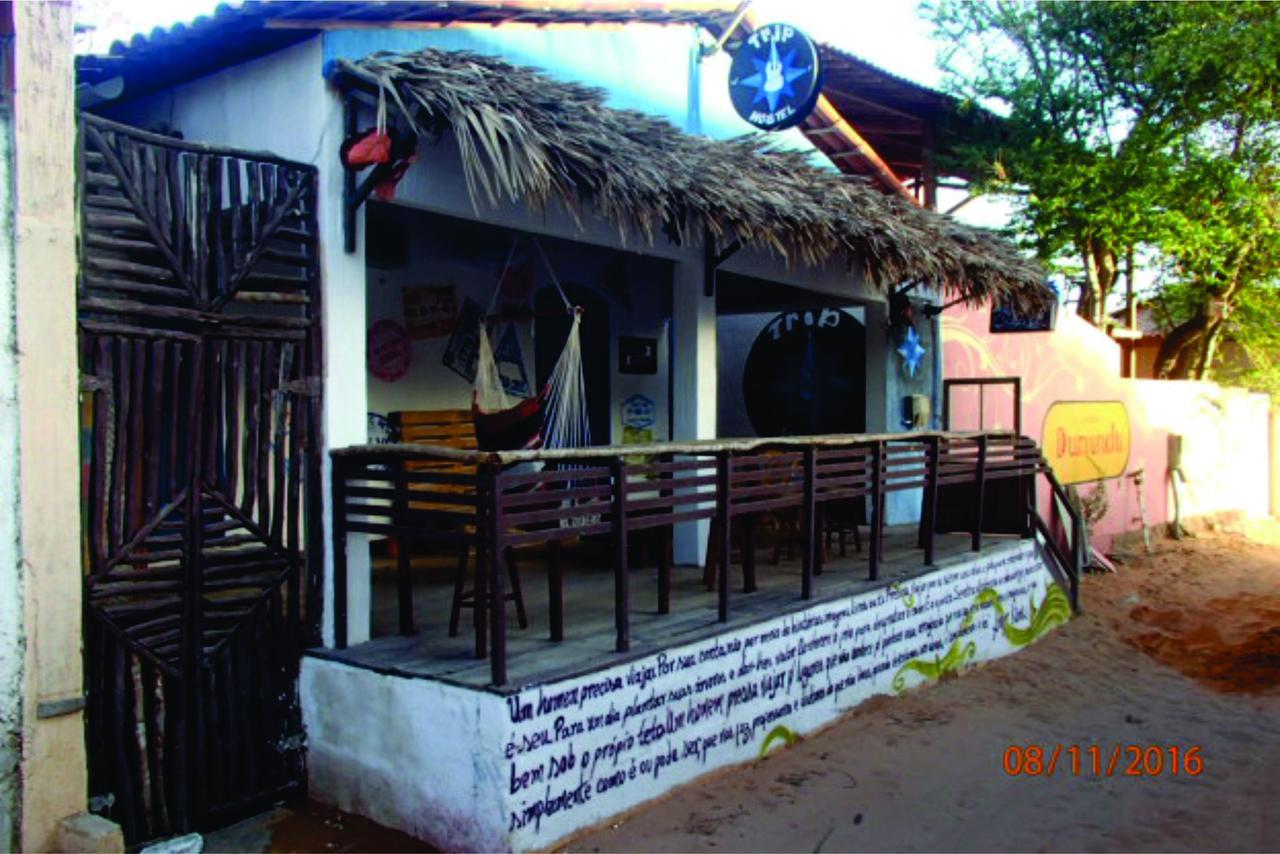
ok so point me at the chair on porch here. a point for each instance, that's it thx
(453, 428)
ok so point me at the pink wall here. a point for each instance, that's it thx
(1226, 456)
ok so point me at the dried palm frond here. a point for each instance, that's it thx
(524, 136)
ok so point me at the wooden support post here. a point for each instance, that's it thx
(930, 515)
(809, 530)
(724, 507)
(1080, 558)
(668, 537)
(981, 489)
(350, 118)
(459, 589)
(485, 501)
(1017, 405)
(497, 582)
(746, 527)
(191, 636)
(555, 585)
(877, 508)
(339, 553)
(404, 565)
(404, 585)
(1029, 479)
(819, 539)
(621, 588)
(664, 570)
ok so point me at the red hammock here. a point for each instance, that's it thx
(517, 428)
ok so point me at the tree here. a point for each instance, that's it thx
(1132, 125)
(1220, 217)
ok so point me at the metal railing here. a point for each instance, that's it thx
(492, 502)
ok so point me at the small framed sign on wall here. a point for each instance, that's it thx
(637, 355)
(430, 311)
(1007, 318)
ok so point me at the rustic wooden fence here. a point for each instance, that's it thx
(444, 498)
(198, 300)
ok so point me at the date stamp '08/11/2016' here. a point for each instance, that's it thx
(1121, 760)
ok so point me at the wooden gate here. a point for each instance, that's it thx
(198, 299)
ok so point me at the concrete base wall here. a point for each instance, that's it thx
(478, 770)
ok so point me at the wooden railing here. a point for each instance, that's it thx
(523, 498)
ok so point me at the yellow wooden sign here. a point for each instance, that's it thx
(1086, 440)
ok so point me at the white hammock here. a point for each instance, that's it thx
(562, 401)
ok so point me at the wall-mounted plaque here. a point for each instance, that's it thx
(1006, 318)
(637, 355)
(430, 311)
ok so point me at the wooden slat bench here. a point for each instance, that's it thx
(449, 428)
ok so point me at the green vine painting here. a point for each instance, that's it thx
(1053, 610)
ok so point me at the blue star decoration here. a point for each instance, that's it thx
(773, 78)
(911, 351)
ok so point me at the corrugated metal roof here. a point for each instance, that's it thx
(898, 117)
(237, 33)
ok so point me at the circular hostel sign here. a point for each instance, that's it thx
(776, 77)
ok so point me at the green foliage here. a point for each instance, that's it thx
(1254, 329)
(1151, 127)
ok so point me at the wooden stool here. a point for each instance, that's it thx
(463, 598)
(841, 517)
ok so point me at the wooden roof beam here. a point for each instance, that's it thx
(878, 106)
(826, 115)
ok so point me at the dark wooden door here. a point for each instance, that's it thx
(198, 299)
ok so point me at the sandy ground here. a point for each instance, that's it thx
(1178, 649)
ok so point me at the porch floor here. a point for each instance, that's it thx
(588, 645)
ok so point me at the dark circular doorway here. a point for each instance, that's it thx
(806, 375)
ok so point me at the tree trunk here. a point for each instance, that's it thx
(1209, 348)
(1188, 350)
(1100, 274)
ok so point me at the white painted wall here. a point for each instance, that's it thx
(40, 323)
(414, 754)
(471, 769)
(12, 636)
(693, 331)
(1225, 445)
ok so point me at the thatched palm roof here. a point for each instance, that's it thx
(526, 136)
